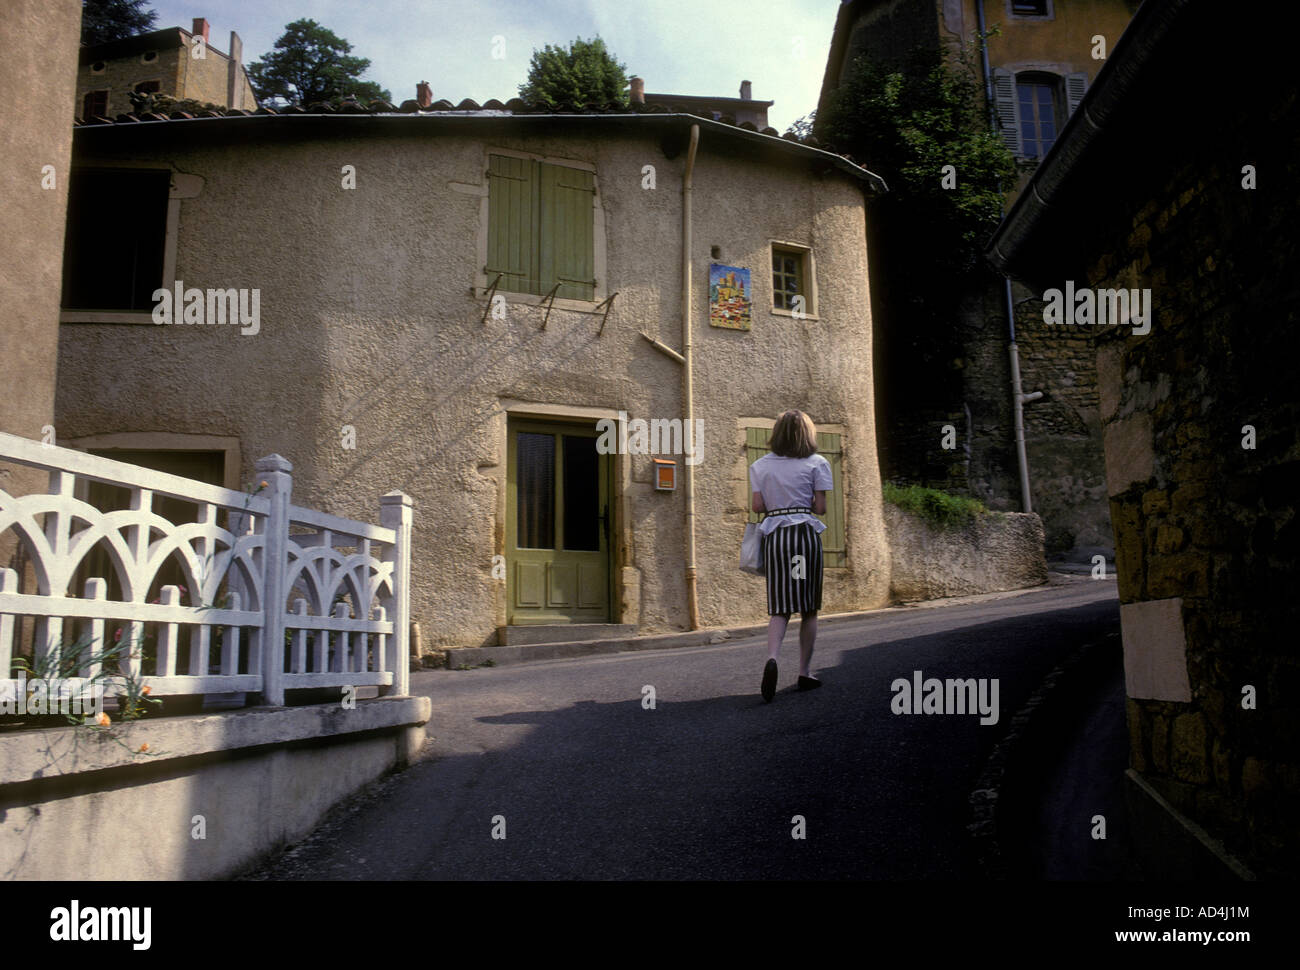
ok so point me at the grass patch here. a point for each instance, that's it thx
(939, 509)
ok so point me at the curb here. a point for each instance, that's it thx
(459, 657)
(1067, 676)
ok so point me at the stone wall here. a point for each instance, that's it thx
(1206, 521)
(970, 389)
(997, 551)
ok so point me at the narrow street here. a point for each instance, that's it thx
(592, 785)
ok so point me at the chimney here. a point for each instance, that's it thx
(746, 91)
(636, 94)
(201, 28)
(424, 94)
(234, 68)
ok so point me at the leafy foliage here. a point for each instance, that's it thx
(165, 104)
(907, 125)
(803, 127)
(939, 509)
(583, 73)
(311, 63)
(106, 20)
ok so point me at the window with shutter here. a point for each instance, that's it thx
(834, 547)
(1004, 100)
(1076, 85)
(541, 227)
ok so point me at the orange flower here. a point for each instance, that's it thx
(145, 689)
(263, 485)
(144, 747)
(103, 720)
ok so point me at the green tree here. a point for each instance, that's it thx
(584, 73)
(311, 63)
(907, 126)
(105, 20)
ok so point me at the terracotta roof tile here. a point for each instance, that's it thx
(514, 105)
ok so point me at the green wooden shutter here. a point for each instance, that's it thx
(834, 551)
(566, 232)
(513, 189)
(1004, 101)
(756, 440)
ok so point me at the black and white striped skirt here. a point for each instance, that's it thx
(793, 586)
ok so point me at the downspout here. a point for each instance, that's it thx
(686, 359)
(688, 381)
(1018, 398)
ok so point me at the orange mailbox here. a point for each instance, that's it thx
(665, 475)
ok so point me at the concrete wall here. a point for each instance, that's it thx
(39, 39)
(998, 551)
(368, 320)
(210, 795)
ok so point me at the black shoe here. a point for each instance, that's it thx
(769, 680)
(809, 683)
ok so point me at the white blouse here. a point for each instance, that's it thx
(788, 482)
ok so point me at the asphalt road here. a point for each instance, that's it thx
(590, 784)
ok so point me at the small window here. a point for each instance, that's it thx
(95, 104)
(1031, 8)
(113, 245)
(148, 87)
(792, 279)
(1037, 110)
(148, 57)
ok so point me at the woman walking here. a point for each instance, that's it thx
(790, 485)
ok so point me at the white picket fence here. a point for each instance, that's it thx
(258, 571)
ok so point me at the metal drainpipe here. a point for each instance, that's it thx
(1018, 397)
(688, 384)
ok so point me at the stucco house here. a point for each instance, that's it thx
(503, 312)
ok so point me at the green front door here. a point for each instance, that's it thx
(558, 520)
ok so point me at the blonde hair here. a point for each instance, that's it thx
(795, 435)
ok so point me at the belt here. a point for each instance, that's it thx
(790, 511)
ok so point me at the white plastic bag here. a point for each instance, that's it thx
(751, 550)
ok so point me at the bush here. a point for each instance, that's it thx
(939, 509)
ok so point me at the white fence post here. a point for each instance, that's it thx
(275, 471)
(396, 512)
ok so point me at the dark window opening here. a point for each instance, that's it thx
(113, 249)
(95, 104)
(581, 494)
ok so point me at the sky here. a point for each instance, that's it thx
(678, 47)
